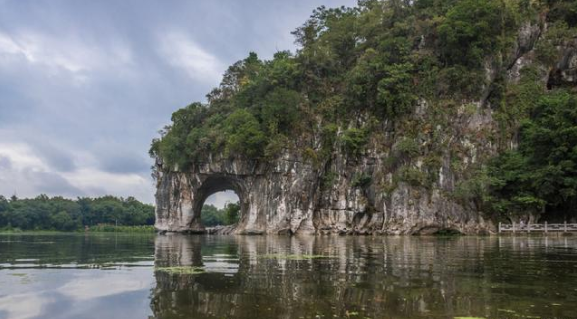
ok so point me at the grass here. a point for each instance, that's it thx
(181, 270)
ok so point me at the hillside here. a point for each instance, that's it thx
(392, 116)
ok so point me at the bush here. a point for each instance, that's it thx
(408, 148)
(362, 180)
(412, 176)
(353, 141)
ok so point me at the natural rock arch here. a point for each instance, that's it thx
(290, 195)
(214, 184)
(272, 198)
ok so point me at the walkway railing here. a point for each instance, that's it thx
(565, 227)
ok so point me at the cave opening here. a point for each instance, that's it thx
(221, 200)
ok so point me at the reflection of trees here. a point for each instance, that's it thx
(400, 277)
(76, 249)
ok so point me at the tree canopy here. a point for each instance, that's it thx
(58, 213)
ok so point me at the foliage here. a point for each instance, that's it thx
(353, 140)
(58, 213)
(243, 134)
(180, 270)
(412, 175)
(328, 179)
(228, 215)
(541, 175)
(362, 180)
(475, 29)
(379, 57)
(408, 147)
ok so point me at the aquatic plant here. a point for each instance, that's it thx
(181, 270)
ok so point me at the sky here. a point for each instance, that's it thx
(86, 85)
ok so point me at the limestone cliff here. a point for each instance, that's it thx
(384, 189)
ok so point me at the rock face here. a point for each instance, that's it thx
(290, 196)
(384, 190)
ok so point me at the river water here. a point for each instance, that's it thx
(175, 276)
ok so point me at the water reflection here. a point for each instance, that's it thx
(125, 276)
(393, 277)
(75, 276)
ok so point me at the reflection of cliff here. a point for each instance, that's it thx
(366, 275)
(397, 277)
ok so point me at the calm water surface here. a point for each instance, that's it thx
(129, 276)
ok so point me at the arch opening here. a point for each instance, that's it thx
(220, 209)
(219, 205)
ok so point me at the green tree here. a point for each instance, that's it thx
(243, 134)
(541, 175)
(231, 213)
(475, 29)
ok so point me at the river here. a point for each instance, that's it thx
(174, 276)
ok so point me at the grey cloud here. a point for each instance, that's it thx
(53, 184)
(125, 163)
(56, 157)
(98, 86)
(221, 198)
(5, 163)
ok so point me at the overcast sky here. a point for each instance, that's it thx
(85, 85)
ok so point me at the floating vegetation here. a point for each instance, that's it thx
(181, 270)
(507, 310)
(469, 318)
(293, 257)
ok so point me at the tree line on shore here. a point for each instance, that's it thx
(106, 213)
(62, 214)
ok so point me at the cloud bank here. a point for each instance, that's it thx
(86, 85)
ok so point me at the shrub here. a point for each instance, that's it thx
(353, 141)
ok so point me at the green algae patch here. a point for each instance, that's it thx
(181, 270)
(293, 257)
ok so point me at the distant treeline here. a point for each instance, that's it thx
(212, 216)
(58, 213)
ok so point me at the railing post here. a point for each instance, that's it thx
(513, 227)
(528, 227)
(499, 227)
(545, 227)
(565, 226)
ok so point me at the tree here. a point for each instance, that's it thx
(63, 221)
(541, 176)
(473, 30)
(231, 213)
(244, 135)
